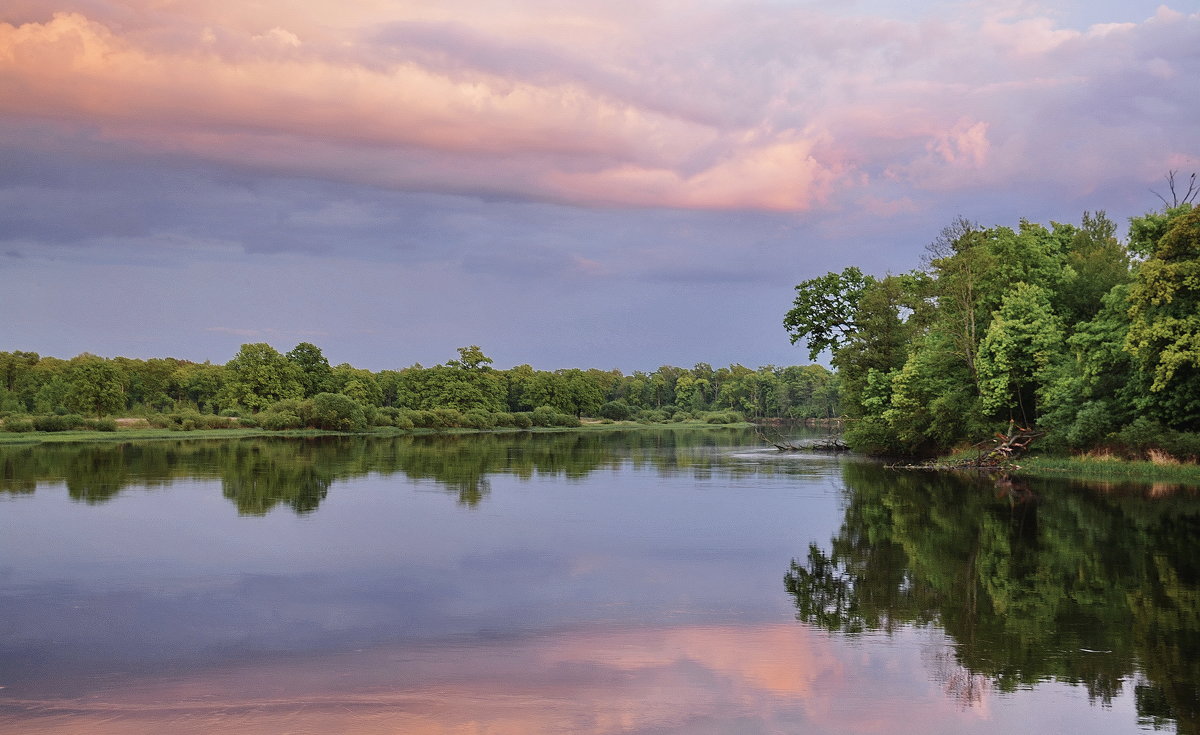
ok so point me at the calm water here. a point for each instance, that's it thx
(640, 582)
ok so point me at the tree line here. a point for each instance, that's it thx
(261, 386)
(1066, 329)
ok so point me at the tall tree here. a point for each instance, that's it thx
(312, 368)
(259, 376)
(1164, 333)
(95, 386)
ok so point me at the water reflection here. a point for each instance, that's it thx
(1033, 581)
(260, 474)
(616, 582)
(744, 679)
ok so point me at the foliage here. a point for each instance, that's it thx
(258, 376)
(823, 314)
(336, 412)
(1063, 327)
(1164, 330)
(1028, 591)
(96, 386)
(265, 388)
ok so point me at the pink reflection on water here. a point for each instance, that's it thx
(735, 679)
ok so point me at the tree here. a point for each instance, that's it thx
(1164, 331)
(259, 376)
(470, 358)
(95, 386)
(312, 368)
(1023, 342)
(823, 312)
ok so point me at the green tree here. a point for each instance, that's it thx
(312, 368)
(470, 358)
(1164, 331)
(258, 376)
(95, 386)
(1016, 356)
(823, 312)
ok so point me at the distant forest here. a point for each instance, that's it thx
(1065, 330)
(300, 389)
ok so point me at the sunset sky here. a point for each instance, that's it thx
(569, 184)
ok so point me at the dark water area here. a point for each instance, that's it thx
(658, 581)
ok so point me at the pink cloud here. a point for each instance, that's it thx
(737, 106)
(599, 681)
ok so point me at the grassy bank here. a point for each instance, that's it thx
(1110, 469)
(146, 434)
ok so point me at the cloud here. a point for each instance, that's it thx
(740, 105)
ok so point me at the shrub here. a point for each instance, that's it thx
(105, 424)
(522, 420)
(279, 420)
(160, 420)
(616, 411)
(336, 412)
(548, 416)
(722, 417)
(1182, 444)
(18, 425)
(423, 419)
(208, 421)
(447, 418)
(478, 420)
(58, 422)
(651, 416)
(371, 415)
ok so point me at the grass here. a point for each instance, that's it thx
(145, 434)
(1159, 468)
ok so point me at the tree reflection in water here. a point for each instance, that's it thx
(263, 473)
(1032, 581)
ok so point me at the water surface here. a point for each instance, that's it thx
(624, 582)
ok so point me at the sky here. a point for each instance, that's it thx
(619, 184)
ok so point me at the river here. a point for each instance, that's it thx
(656, 581)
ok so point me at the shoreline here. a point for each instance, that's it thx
(142, 434)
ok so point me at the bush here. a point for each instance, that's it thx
(279, 420)
(1183, 444)
(478, 420)
(57, 422)
(423, 419)
(18, 425)
(522, 420)
(616, 411)
(447, 418)
(548, 416)
(105, 424)
(336, 412)
(651, 416)
(722, 417)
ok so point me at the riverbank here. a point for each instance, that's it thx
(1109, 468)
(146, 434)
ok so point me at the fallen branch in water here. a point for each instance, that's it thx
(1006, 447)
(828, 445)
